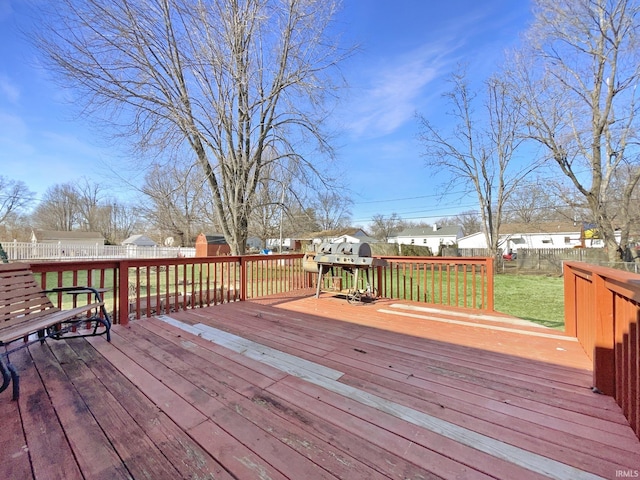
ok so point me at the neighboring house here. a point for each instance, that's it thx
(74, 239)
(297, 243)
(288, 243)
(351, 235)
(514, 236)
(139, 241)
(431, 237)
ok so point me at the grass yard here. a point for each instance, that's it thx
(538, 298)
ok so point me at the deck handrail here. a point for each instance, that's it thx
(602, 309)
(464, 282)
(159, 285)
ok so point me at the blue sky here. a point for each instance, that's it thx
(408, 49)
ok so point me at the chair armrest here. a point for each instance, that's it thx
(78, 290)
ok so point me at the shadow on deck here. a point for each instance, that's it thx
(306, 388)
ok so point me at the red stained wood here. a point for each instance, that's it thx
(201, 410)
(44, 433)
(94, 453)
(14, 452)
(186, 456)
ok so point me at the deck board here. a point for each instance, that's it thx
(43, 430)
(537, 425)
(93, 452)
(298, 387)
(189, 459)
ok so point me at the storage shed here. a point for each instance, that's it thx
(211, 245)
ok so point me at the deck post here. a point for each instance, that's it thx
(490, 295)
(570, 320)
(244, 279)
(604, 373)
(123, 293)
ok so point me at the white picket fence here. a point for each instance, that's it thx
(27, 251)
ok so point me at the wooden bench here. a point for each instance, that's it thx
(26, 310)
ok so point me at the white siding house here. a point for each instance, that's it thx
(431, 237)
(351, 235)
(535, 235)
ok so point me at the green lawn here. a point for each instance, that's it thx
(537, 298)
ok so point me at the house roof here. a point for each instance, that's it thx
(353, 232)
(447, 231)
(547, 227)
(140, 240)
(65, 235)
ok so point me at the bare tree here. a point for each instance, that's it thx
(118, 221)
(301, 220)
(578, 76)
(479, 153)
(383, 227)
(469, 221)
(14, 198)
(59, 209)
(223, 80)
(275, 198)
(333, 210)
(174, 205)
(541, 200)
(267, 215)
(88, 199)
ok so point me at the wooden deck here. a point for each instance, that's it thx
(304, 388)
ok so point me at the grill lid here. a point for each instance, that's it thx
(347, 254)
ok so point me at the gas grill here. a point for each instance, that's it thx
(352, 257)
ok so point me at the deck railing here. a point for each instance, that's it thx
(602, 310)
(462, 282)
(145, 287)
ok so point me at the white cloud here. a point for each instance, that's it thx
(396, 89)
(9, 90)
(14, 129)
(71, 143)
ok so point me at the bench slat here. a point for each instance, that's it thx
(31, 324)
(17, 278)
(31, 317)
(26, 309)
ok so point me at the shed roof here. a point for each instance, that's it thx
(214, 238)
